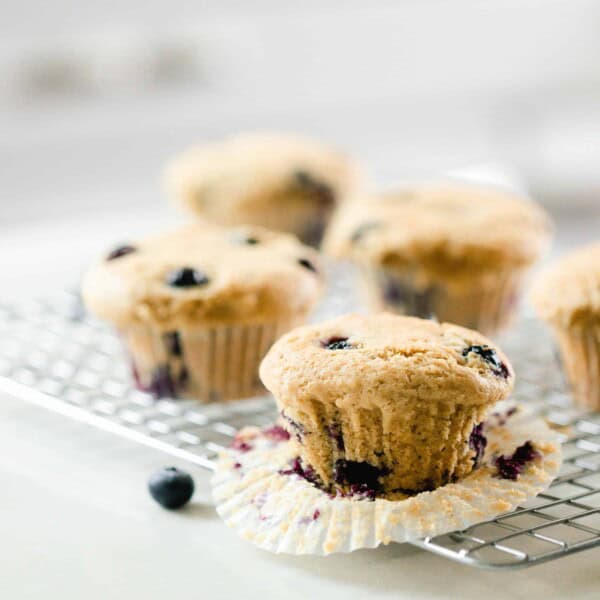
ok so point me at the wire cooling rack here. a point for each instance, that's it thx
(53, 354)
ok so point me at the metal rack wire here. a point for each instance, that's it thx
(53, 354)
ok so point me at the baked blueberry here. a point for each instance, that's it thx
(303, 262)
(337, 343)
(171, 487)
(173, 343)
(186, 277)
(162, 384)
(490, 356)
(478, 443)
(510, 467)
(120, 251)
(360, 476)
(317, 189)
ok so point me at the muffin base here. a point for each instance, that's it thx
(487, 306)
(410, 448)
(285, 513)
(209, 364)
(580, 354)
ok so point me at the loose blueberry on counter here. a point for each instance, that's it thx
(337, 343)
(171, 487)
(303, 262)
(186, 277)
(120, 251)
(510, 467)
(490, 356)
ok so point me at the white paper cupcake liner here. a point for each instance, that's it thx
(286, 514)
(209, 364)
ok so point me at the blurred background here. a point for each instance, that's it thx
(96, 96)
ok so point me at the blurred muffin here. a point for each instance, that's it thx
(199, 307)
(385, 404)
(567, 297)
(283, 182)
(455, 252)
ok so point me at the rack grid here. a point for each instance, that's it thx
(53, 354)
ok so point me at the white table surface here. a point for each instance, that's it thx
(76, 521)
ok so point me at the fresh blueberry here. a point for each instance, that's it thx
(303, 262)
(186, 277)
(171, 487)
(120, 251)
(490, 356)
(337, 343)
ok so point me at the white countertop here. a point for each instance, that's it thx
(77, 522)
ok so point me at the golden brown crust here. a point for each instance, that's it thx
(450, 231)
(390, 356)
(567, 294)
(242, 178)
(247, 283)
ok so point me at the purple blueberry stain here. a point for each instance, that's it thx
(490, 356)
(337, 343)
(162, 384)
(120, 251)
(241, 445)
(276, 433)
(296, 427)
(477, 443)
(186, 277)
(296, 467)
(237, 465)
(510, 467)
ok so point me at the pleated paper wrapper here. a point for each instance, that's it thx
(284, 513)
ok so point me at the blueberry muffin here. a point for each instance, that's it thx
(385, 404)
(199, 307)
(567, 297)
(455, 252)
(283, 182)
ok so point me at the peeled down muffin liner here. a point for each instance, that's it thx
(484, 306)
(284, 513)
(209, 364)
(580, 356)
